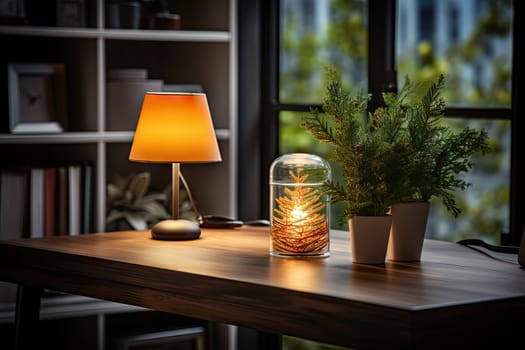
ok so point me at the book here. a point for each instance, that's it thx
(13, 203)
(62, 206)
(37, 204)
(8, 292)
(87, 197)
(74, 198)
(50, 179)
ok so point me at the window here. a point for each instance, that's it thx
(470, 41)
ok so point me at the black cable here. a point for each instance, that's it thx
(495, 248)
(217, 221)
(474, 243)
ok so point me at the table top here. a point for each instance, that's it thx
(228, 276)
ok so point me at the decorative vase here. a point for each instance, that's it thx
(409, 222)
(130, 12)
(369, 238)
(299, 210)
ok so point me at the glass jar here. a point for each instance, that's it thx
(299, 210)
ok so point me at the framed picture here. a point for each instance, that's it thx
(71, 13)
(12, 11)
(37, 101)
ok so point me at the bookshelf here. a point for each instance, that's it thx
(202, 52)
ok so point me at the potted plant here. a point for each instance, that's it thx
(398, 153)
(427, 161)
(131, 205)
(360, 150)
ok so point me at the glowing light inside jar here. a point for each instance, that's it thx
(299, 224)
(298, 214)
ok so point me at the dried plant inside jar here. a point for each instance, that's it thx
(299, 223)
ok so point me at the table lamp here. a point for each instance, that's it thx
(175, 128)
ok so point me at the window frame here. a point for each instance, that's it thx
(259, 104)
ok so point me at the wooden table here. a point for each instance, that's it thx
(455, 295)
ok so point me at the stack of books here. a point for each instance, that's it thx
(39, 201)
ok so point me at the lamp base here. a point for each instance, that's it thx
(176, 230)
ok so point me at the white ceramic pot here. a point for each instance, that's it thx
(369, 238)
(407, 234)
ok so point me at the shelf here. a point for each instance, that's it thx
(83, 137)
(163, 35)
(96, 136)
(119, 34)
(64, 306)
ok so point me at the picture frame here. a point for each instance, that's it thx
(70, 13)
(12, 11)
(37, 97)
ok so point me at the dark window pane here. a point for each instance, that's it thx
(485, 205)
(294, 138)
(319, 33)
(469, 41)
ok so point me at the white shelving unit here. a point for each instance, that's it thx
(204, 54)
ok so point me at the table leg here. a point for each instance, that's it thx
(26, 316)
(269, 341)
(249, 338)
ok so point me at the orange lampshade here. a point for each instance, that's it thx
(175, 128)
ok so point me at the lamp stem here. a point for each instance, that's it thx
(175, 229)
(175, 190)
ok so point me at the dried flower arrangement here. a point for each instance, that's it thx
(299, 223)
